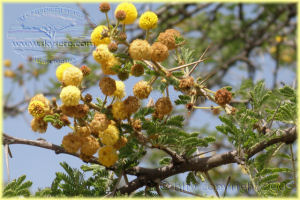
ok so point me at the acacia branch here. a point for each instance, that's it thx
(8, 140)
(148, 176)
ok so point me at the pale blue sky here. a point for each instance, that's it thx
(40, 164)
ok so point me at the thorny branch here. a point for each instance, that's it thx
(150, 177)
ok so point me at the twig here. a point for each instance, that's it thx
(169, 186)
(194, 67)
(211, 183)
(115, 187)
(199, 154)
(158, 190)
(86, 16)
(293, 162)
(125, 178)
(6, 149)
(227, 183)
(7, 139)
(185, 65)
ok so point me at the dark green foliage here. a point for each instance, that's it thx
(17, 188)
(183, 99)
(191, 179)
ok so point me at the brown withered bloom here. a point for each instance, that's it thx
(120, 15)
(112, 47)
(137, 70)
(85, 70)
(107, 86)
(159, 52)
(223, 96)
(104, 7)
(122, 36)
(186, 83)
(131, 104)
(137, 125)
(163, 106)
(88, 98)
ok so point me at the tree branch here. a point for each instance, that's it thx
(147, 176)
(7, 140)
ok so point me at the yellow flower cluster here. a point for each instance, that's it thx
(72, 143)
(142, 90)
(118, 110)
(148, 20)
(97, 37)
(99, 122)
(110, 135)
(107, 60)
(38, 125)
(108, 156)
(70, 95)
(130, 11)
(140, 50)
(120, 90)
(60, 70)
(39, 106)
(72, 76)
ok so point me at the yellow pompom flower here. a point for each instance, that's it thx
(142, 89)
(120, 90)
(7, 63)
(107, 156)
(72, 143)
(110, 135)
(60, 70)
(96, 36)
(42, 98)
(130, 10)
(119, 111)
(90, 146)
(70, 95)
(102, 54)
(107, 66)
(38, 125)
(148, 20)
(37, 109)
(140, 50)
(72, 76)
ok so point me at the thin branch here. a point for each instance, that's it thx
(146, 175)
(212, 183)
(158, 190)
(227, 183)
(115, 187)
(169, 186)
(194, 67)
(293, 162)
(8, 140)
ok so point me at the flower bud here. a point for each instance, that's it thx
(104, 7)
